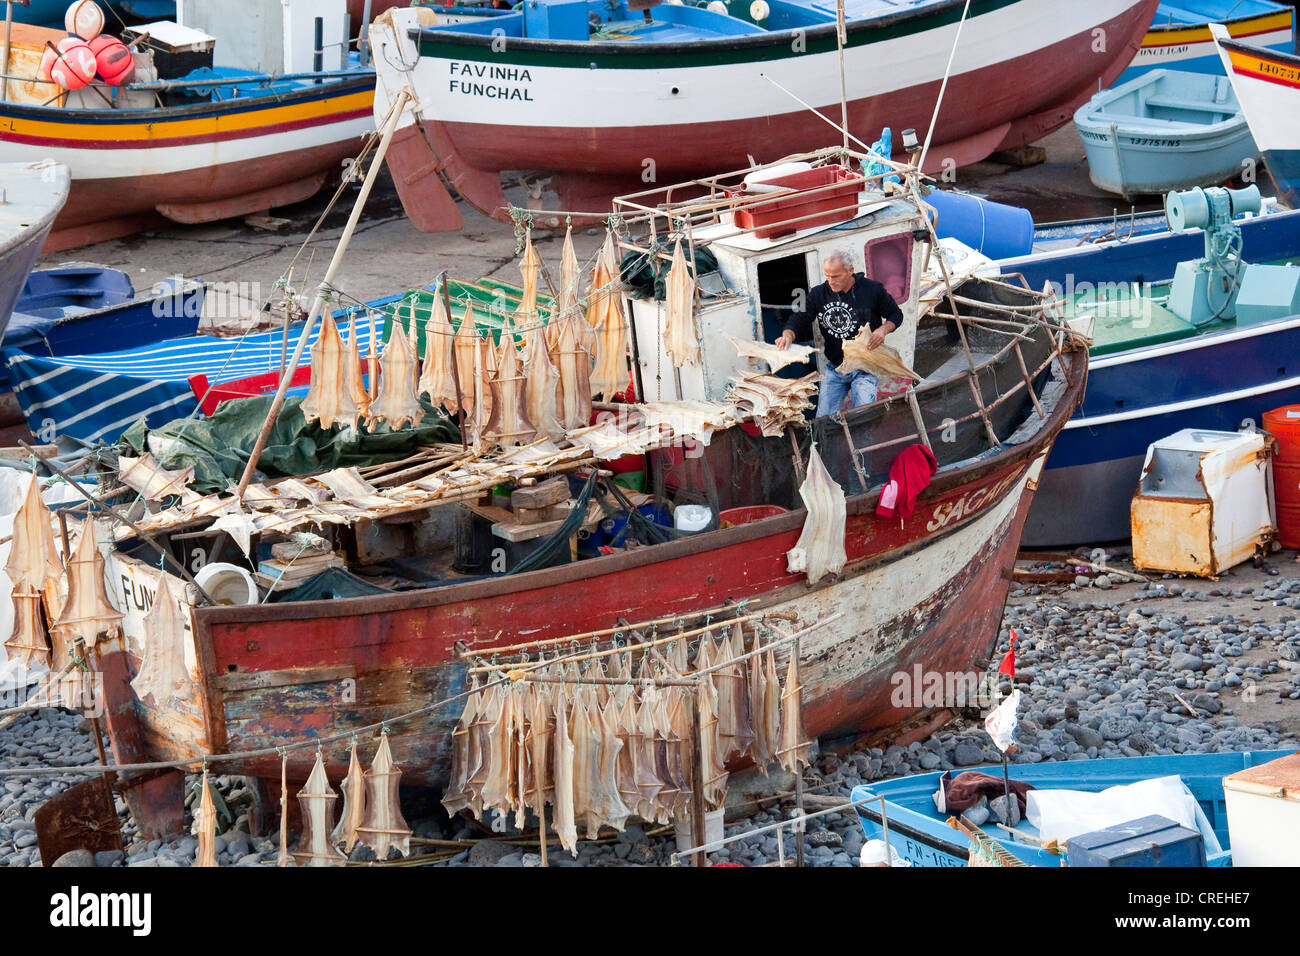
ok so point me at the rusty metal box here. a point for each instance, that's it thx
(1202, 504)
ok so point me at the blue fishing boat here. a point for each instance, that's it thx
(31, 195)
(79, 307)
(922, 837)
(1267, 83)
(1179, 37)
(1152, 371)
(1165, 130)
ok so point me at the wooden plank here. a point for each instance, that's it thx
(518, 531)
(18, 454)
(491, 512)
(283, 678)
(541, 495)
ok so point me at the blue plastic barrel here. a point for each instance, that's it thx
(995, 229)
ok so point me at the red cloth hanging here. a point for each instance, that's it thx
(909, 475)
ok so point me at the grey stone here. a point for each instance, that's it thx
(1117, 728)
(75, 858)
(826, 838)
(108, 858)
(513, 859)
(642, 854)
(1004, 811)
(488, 852)
(967, 754)
(1084, 736)
(930, 760)
(1184, 662)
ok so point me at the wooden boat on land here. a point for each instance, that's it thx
(926, 590)
(1267, 84)
(225, 142)
(683, 90)
(1165, 130)
(921, 836)
(1180, 39)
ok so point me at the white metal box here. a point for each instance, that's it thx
(1202, 502)
(1264, 813)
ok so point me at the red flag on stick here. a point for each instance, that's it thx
(1008, 665)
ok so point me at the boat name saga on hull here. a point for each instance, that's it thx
(464, 75)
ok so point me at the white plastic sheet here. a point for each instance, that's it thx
(1062, 814)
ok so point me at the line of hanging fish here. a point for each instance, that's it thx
(371, 815)
(569, 358)
(599, 753)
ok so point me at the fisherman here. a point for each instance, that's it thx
(843, 304)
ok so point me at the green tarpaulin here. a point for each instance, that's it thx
(218, 446)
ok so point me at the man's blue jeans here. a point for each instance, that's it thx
(835, 386)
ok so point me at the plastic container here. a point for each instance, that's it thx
(744, 515)
(1284, 425)
(1263, 806)
(692, 519)
(713, 829)
(774, 218)
(228, 585)
(995, 229)
(611, 528)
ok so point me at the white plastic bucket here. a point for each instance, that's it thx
(689, 519)
(228, 584)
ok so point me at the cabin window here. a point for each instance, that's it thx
(780, 282)
(889, 262)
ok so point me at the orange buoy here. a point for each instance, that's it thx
(71, 66)
(113, 61)
(1284, 425)
(84, 19)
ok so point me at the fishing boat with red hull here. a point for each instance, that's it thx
(922, 591)
(598, 98)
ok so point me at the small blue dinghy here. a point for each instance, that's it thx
(1165, 130)
(920, 834)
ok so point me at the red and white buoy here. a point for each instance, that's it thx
(113, 61)
(72, 65)
(84, 19)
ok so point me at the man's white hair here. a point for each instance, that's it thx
(843, 256)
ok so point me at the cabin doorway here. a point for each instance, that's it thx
(781, 282)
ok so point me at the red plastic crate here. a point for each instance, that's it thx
(834, 205)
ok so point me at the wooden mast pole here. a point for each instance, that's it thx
(318, 307)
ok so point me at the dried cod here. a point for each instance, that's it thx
(34, 569)
(356, 384)
(316, 803)
(205, 820)
(820, 548)
(574, 365)
(541, 389)
(713, 774)
(775, 358)
(164, 675)
(760, 748)
(438, 375)
(608, 805)
(151, 479)
(565, 819)
(883, 360)
(509, 424)
(605, 315)
(681, 340)
(793, 752)
(466, 358)
(87, 613)
(329, 398)
(457, 796)
(397, 404)
(354, 804)
(383, 827)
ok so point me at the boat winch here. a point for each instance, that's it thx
(1206, 290)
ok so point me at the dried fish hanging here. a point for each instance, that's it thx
(574, 364)
(465, 357)
(205, 819)
(760, 748)
(356, 384)
(820, 548)
(438, 375)
(87, 613)
(316, 803)
(329, 398)
(681, 339)
(354, 804)
(605, 315)
(397, 404)
(282, 858)
(34, 568)
(542, 381)
(164, 676)
(457, 796)
(713, 774)
(566, 828)
(383, 828)
(509, 424)
(793, 752)
(568, 303)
